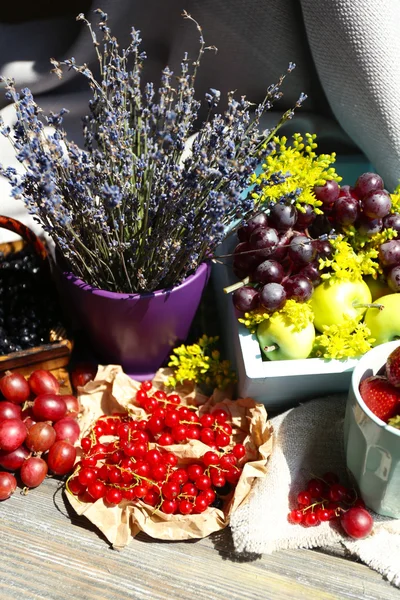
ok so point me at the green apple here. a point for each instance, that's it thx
(378, 287)
(384, 323)
(279, 339)
(335, 298)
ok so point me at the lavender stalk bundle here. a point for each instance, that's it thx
(129, 213)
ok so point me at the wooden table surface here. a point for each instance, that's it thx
(47, 552)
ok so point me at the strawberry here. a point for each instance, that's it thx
(393, 367)
(381, 397)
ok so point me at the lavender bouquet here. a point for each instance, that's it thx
(129, 213)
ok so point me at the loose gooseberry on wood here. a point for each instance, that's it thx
(8, 410)
(33, 471)
(61, 457)
(12, 461)
(49, 407)
(14, 388)
(67, 429)
(8, 485)
(12, 434)
(40, 437)
(357, 522)
(43, 382)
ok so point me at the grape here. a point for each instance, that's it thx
(389, 253)
(67, 429)
(345, 210)
(321, 226)
(312, 272)
(33, 471)
(393, 279)
(8, 410)
(324, 248)
(14, 388)
(283, 216)
(264, 241)
(12, 461)
(243, 263)
(61, 457)
(72, 404)
(298, 288)
(8, 485)
(376, 205)
(268, 271)
(49, 407)
(327, 193)
(245, 298)
(43, 382)
(357, 522)
(40, 437)
(368, 182)
(273, 296)
(12, 434)
(347, 190)
(301, 249)
(304, 219)
(392, 221)
(259, 220)
(281, 249)
(369, 227)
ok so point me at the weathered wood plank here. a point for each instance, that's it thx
(47, 552)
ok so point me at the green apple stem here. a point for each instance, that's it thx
(372, 305)
(237, 285)
(271, 348)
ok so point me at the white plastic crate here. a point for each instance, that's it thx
(276, 384)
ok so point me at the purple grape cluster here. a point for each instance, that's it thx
(366, 206)
(276, 259)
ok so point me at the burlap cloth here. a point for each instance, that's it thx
(308, 440)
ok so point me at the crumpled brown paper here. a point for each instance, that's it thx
(112, 391)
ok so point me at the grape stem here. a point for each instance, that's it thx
(271, 348)
(237, 285)
(372, 305)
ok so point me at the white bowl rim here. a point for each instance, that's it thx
(357, 374)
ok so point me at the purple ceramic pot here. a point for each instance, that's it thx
(136, 331)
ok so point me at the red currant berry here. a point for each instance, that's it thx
(86, 476)
(172, 418)
(153, 457)
(114, 475)
(150, 404)
(227, 461)
(304, 498)
(189, 489)
(160, 412)
(207, 436)
(210, 458)
(97, 489)
(160, 395)
(86, 444)
(159, 472)
(200, 504)
(169, 507)
(310, 519)
(295, 516)
(113, 496)
(357, 522)
(129, 494)
(100, 451)
(218, 479)
(103, 473)
(89, 461)
(174, 399)
(170, 490)
(233, 474)
(123, 431)
(165, 439)
(117, 456)
(76, 487)
(209, 494)
(185, 507)
(316, 488)
(220, 415)
(170, 459)
(155, 425)
(141, 397)
(127, 476)
(180, 476)
(146, 386)
(222, 439)
(337, 492)
(152, 498)
(239, 451)
(142, 468)
(207, 420)
(140, 491)
(179, 433)
(203, 482)
(323, 514)
(194, 471)
(193, 432)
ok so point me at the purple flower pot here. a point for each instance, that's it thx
(137, 331)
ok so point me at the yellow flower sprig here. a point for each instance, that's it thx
(200, 363)
(302, 168)
(347, 340)
(295, 313)
(347, 264)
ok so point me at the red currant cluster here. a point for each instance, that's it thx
(136, 466)
(326, 499)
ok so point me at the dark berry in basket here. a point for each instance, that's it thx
(28, 302)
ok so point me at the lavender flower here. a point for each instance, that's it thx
(127, 212)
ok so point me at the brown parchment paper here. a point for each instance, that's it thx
(113, 391)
